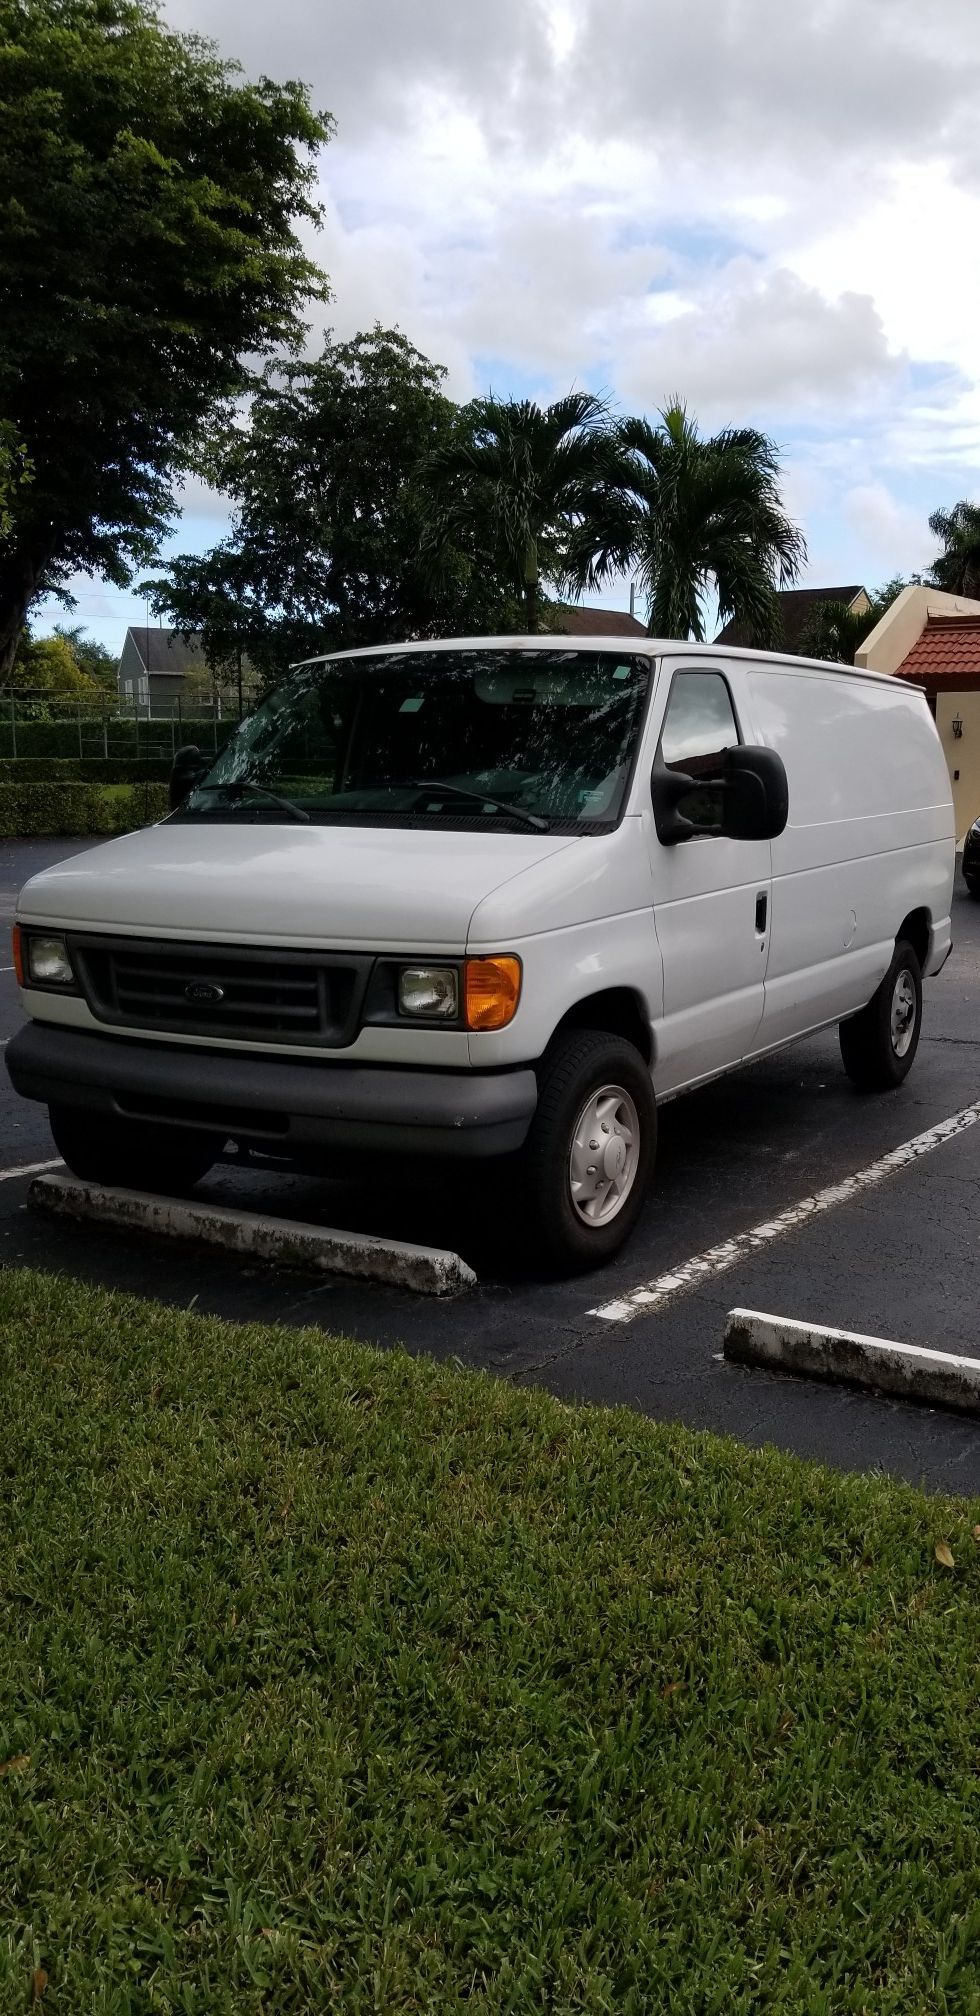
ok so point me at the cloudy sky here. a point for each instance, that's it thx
(770, 208)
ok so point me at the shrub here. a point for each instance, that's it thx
(83, 770)
(32, 810)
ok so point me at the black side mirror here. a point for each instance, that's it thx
(756, 800)
(189, 766)
(745, 798)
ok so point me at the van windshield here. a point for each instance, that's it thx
(507, 739)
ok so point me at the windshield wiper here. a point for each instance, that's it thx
(532, 819)
(238, 785)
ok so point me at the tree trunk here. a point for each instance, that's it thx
(20, 573)
(531, 586)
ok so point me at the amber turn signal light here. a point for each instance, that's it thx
(18, 944)
(491, 992)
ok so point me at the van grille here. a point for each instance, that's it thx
(203, 990)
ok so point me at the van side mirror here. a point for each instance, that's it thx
(756, 801)
(745, 798)
(189, 766)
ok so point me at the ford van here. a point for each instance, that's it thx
(493, 898)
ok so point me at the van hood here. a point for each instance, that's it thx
(339, 887)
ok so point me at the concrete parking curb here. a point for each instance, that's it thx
(425, 1269)
(847, 1358)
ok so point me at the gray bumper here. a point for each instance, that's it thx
(284, 1106)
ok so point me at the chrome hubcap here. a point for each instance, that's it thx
(903, 1013)
(604, 1155)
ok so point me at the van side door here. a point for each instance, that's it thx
(712, 894)
(853, 858)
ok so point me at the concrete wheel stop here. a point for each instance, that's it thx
(847, 1358)
(426, 1270)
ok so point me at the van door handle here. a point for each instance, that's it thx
(761, 911)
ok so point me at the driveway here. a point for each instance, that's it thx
(899, 1257)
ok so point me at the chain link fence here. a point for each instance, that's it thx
(37, 723)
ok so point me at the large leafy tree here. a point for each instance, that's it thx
(217, 597)
(15, 475)
(149, 259)
(51, 665)
(958, 566)
(330, 511)
(94, 659)
(691, 517)
(516, 482)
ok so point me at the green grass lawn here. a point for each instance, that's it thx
(336, 1681)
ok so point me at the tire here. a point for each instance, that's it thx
(578, 1067)
(878, 1046)
(161, 1159)
(973, 885)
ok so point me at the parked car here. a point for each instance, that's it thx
(493, 898)
(971, 859)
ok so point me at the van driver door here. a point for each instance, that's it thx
(712, 895)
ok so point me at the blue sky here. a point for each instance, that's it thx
(771, 210)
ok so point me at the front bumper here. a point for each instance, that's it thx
(286, 1107)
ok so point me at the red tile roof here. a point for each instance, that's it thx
(946, 654)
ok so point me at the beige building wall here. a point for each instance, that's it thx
(962, 753)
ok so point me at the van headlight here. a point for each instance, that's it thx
(45, 961)
(477, 993)
(429, 993)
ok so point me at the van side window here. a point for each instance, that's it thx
(699, 724)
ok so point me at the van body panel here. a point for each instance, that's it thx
(869, 838)
(388, 888)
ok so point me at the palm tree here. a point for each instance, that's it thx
(958, 567)
(517, 482)
(835, 631)
(687, 513)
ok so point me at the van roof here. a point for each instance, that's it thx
(653, 647)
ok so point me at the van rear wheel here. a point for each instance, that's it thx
(878, 1046)
(161, 1159)
(590, 1151)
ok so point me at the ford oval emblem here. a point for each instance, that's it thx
(204, 993)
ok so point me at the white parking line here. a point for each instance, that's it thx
(718, 1259)
(28, 1169)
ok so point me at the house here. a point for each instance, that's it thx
(933, 639)
(153, 667)
(592, 622)
(797, 607)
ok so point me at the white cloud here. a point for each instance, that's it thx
(895, 538)
(763, 345)
(787, 86)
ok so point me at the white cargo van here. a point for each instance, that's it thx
(497, 897)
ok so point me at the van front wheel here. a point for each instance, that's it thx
(590, 1151)
(165, 1160)
(878, 1046)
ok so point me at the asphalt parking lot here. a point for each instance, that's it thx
(900, 1259)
